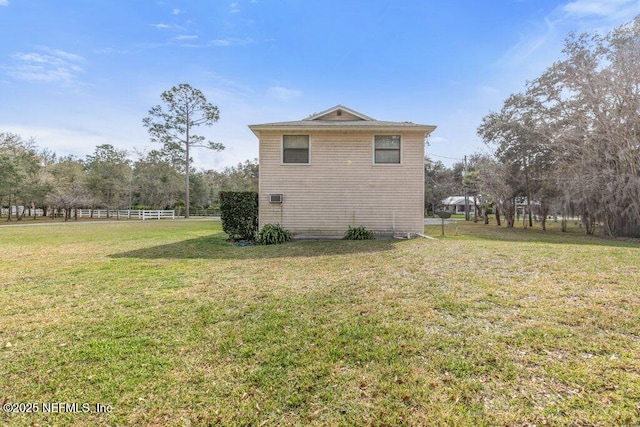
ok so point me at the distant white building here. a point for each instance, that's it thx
(456, 204)
(14, 212)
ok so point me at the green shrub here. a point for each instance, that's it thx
(358, 233)
(273, 234)
(239, 214)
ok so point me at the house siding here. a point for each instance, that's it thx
(341, 186)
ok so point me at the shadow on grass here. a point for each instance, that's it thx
(215, 246)
(553, 235)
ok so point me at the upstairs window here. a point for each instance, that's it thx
(295, 149)
(387, 149)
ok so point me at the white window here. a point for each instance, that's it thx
(295, 148)
(386, 149)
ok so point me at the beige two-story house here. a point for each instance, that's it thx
(340, 168)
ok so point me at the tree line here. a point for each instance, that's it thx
(569, 144)
(108, 178)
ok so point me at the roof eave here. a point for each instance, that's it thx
(256, 129)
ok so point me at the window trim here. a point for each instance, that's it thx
(373, 149)
(282, 162)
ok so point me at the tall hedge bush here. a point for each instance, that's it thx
(239, 213)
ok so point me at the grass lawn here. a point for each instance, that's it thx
(168, 324)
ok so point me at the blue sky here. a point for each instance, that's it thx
(78, 73)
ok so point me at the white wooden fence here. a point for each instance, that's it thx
(129, 214)
(158, 214)
(112, 213)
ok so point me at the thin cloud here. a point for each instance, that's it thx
(183, 37)
(488, 90)
(48, 66)
(4, 2)
(111, 51)
(64, 55)
(234, 8)
(283, 93)
(438, 140)
(171, 28)
(81, 140)
(177, 11)
(533, 42)
(220, 42)
(601, 8)
(542, 42)
(229, 88)
(77, 142)
(599, 15)
(231, 42)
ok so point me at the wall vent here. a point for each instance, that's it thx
(275, 198)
